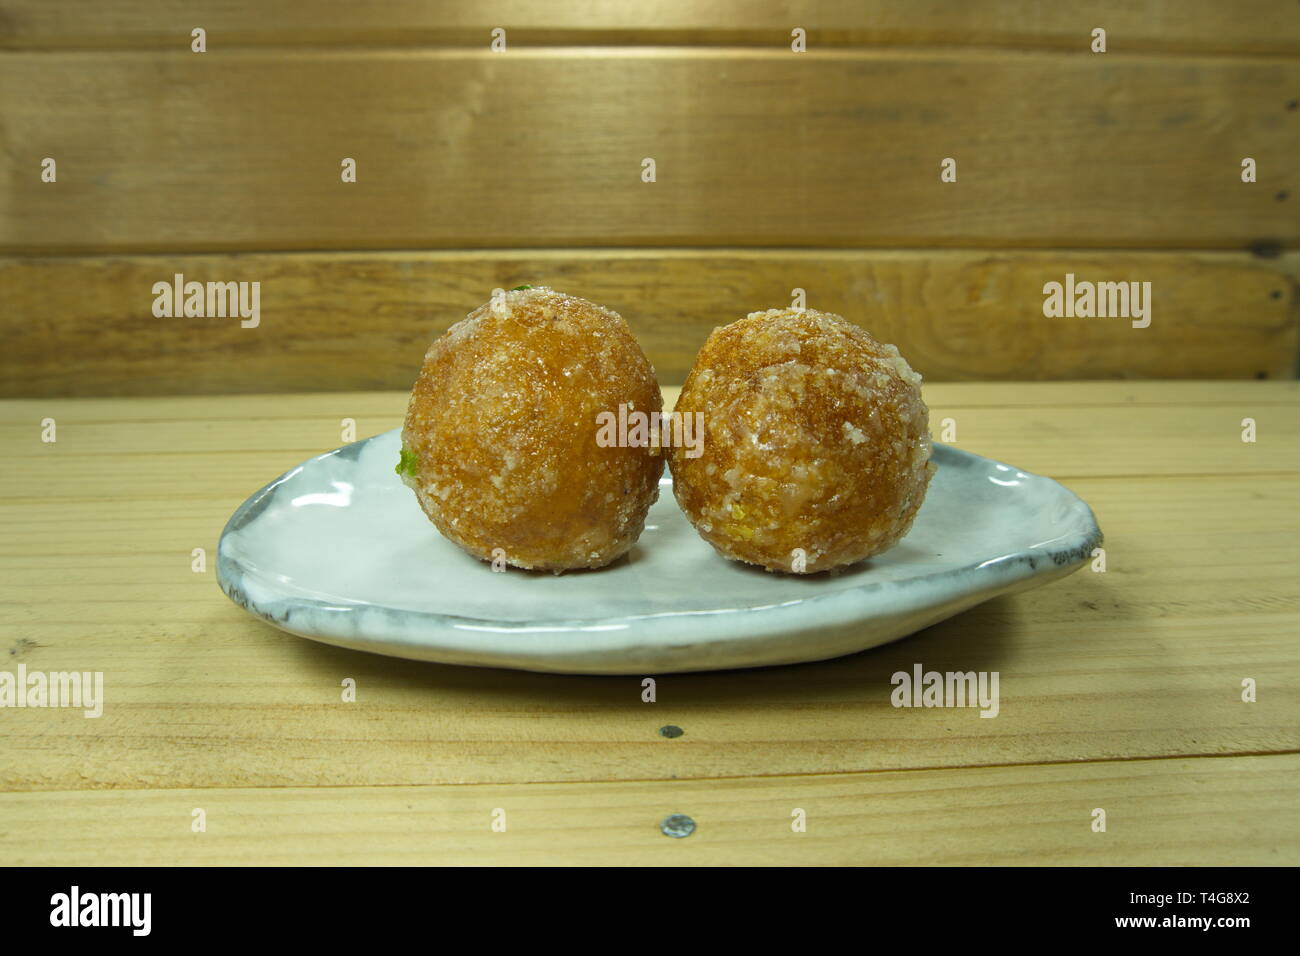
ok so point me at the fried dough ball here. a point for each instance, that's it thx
(500, 440)
(816, 448)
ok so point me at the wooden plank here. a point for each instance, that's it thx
(241, 149)
(1227, 812)
(1145, 660)
(381, 409)
(155, 450)
(344, 321)
(1128, 394)
(1246, 26)
(1095, 441)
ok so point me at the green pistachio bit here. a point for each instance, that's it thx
(520, 288)
(406, 466)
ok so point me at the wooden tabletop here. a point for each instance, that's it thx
(1120, 690)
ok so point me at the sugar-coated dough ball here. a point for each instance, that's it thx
(816, 448)
(500, 441)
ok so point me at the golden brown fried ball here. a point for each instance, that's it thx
(816, 448)
(500, 441)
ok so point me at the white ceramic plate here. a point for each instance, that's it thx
(337, 550)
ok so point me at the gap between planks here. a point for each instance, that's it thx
(692, 779)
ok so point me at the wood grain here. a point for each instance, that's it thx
(1120, 690)
(347, 321)
(1245, 26)
(241, 149)
(1066, 430)
(1233, 811)
(1145, 660)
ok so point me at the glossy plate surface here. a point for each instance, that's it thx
(337, 550)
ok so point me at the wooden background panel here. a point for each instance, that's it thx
(1233, 811)
(347, 321)
(1245, 26)
(459, 148)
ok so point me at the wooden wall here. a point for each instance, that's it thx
(774, 170)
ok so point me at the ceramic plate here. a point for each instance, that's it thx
(337, 550)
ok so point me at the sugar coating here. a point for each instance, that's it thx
(816, 442)
(502, 422)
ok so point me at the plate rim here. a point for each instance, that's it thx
(1072, 550)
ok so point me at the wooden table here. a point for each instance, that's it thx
(1120, 690)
